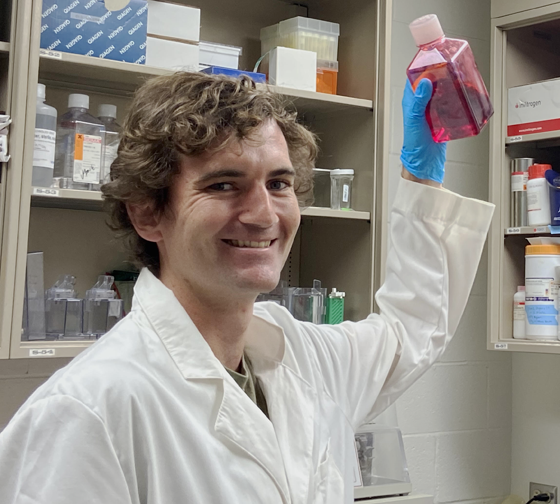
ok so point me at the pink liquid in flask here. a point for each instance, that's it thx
(460, 106)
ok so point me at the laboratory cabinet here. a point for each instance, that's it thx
(343, 249)
(525, 50)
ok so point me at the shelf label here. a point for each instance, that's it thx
(42, 352)
(500, 346)
(515, 230)
(45, 191)
(50, 54)
(513, 139)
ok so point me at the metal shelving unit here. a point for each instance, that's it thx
(520, 55)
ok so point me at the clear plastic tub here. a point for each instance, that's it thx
(303, 33)
(341, 189)
(327, 76)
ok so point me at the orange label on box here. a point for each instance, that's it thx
(79, 147)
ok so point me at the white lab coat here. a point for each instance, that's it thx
(149, 415)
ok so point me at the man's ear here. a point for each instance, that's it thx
(146, 221)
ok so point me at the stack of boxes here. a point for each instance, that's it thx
(303, 34)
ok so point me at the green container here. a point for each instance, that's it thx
(335, 307)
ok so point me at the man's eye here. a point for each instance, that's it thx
(221, 186)
(278, 185)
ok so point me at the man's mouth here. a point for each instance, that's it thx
(249, 244)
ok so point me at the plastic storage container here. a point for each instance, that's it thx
(327, 76)
(519, 317)
(541, 291)
(101, 310)
(79, 146)
(538, 197)
(341, 189)
(303, 33)
(107, 114)
(460, 106)
(212, 54)
(45, 141)
(63, 310)
(321, 187)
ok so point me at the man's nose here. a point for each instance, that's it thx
(258, 208)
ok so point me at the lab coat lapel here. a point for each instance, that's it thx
(291, 405)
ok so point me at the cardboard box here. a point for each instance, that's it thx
(172, 54)
(220, 55)
(534, 108)
(173, 20)
(293, 68)
(87, 27)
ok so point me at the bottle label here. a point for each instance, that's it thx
(87, 158)
(518, 311)
(43, 148)
(534, 203)
(540, 301)
(345, 193)
(519, 181)
(110, 156)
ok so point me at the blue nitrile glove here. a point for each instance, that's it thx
(420, 155)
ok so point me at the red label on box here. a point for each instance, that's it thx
(534, 127)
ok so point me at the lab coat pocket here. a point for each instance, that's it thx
(329, 484)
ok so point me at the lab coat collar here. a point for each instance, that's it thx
(188, 348)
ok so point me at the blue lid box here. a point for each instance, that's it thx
(87, 27)
(231, 72)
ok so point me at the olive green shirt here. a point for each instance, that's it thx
(249, 383)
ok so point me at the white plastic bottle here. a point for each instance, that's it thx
(519, 315)
(538, 197)
(107, 114)
(45, 141)
(79, 146)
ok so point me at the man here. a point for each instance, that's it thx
(200, 395)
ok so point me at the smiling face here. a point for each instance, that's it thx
(232, 219)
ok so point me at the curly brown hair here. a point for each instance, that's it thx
(190, 114)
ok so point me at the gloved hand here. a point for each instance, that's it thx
(420, 155)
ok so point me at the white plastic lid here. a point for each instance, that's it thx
(337, 173)
(41, 91)
(107, 110)
(520, 288)
(426, 29)
(78, 100)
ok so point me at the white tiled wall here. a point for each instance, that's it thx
(456, 420)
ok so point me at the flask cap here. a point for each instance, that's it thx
(41, 91)
(426, 29)
(538, 170)
(78, 100)
(107, 110)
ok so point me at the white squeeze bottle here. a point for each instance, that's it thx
(107, 114)
(79, 146)
(45, 141)
(519, 313)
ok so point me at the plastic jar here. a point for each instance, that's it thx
(540, 296)
(341, 189)
(519, 315)
(538, 199)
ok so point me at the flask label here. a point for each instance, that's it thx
(540, 301)
(87, 158)
(43, 148)
(533, 201)
(519, 311)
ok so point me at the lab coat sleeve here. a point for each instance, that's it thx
(57, 451)
(437, 239)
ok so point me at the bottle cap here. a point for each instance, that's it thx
(336, 173)
(549, 249)
(41, 91)
(78, 100)
(538, 170)
(426, 29)
(107, 110)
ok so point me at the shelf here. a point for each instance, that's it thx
(4, 47)
(339, 214)
(527, 230)
(518, 345)
(103, 75)
(93, 200)
(550, 137)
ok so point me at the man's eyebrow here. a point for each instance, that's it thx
(230, 173)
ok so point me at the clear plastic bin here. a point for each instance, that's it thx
(327, 76)
(321, 188)
(303, 33)
(341, 189)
